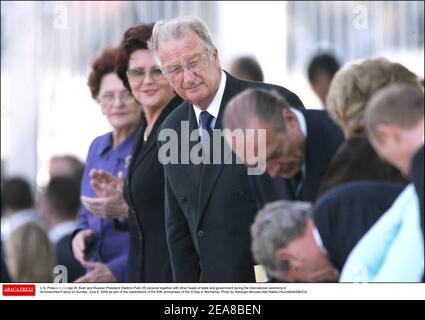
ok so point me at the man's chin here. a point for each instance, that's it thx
(194, 93)
(197, 96)
(329, 275)
(288, 175)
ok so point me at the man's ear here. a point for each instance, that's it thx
(215, 55)
(290, 119)
(388, 133)
(285, 255)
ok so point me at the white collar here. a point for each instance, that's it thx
(61, 230)
(15, 220)
(318, 239)
(301, 120)
(214, 107)
(303, 127)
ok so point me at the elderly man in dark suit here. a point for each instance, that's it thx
(296, 242)
(298, 147)
(344, 214)
(208, 207)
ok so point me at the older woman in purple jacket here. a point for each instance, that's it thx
(97, 244)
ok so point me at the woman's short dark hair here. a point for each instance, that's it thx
(16, 194)
(134, 38)
(103, 64)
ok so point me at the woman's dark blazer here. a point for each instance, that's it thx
(149, 259)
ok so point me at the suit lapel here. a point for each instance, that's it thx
(211, 172)
(143, 148)
(136, 149)
(315, 167)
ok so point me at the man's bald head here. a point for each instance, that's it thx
(253, 105)
(260, 112)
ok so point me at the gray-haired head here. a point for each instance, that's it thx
(277, 225)
(255, 103)
(175, 29)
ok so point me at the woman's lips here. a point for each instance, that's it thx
(118, 114)
(149, 92)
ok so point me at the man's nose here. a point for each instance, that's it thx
(188, 75)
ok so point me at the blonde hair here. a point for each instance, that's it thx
(30, 255)
(353, 85)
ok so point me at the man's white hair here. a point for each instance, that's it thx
(175, 29)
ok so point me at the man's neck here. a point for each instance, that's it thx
(203, 105)
(415, 140)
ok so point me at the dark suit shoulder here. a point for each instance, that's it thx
(321, 118)
(238, 85)
(66, 258)
(418, 180)
(293, 100)
(175, 117)
(417, 162)
(345, 213)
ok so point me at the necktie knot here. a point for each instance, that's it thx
(206, 133)
(205, 120)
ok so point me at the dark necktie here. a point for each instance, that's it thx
(205, 120)
(296, 183)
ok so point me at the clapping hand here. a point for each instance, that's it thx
(99, 273)
(110, 202)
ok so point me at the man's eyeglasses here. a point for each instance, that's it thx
(194, 64)
(139, 74)
(109, 97)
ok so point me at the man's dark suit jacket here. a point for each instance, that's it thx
(323, 139)
(210, 208)
(66, 258)
(345, 213)
(417, 176)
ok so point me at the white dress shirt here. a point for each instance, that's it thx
(214, 107)
(61, 230)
